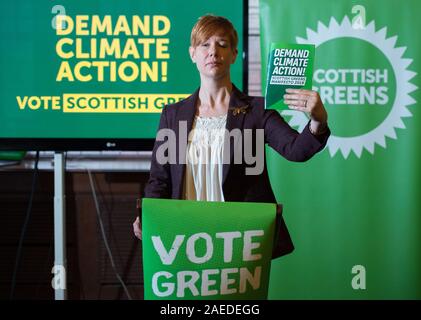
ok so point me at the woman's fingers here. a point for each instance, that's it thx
(300, 91)
(297, 108)
(296, 97)
(295, 103)
(137, 229)
(306, 101)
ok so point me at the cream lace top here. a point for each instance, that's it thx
(204, 159)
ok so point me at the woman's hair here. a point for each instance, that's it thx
(209, 25)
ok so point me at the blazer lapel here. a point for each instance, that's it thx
(183, 125)
(184, 122)
(238, 107)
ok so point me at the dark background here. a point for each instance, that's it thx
(89, 271)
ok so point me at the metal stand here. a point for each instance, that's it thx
(60, 261)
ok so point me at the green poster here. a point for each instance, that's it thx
(290, 66)
(206, 250)
(354, 210)
(99, 69)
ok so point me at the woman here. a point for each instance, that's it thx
(218, 106)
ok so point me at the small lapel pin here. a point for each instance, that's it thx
(238, 110)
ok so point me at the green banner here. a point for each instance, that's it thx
(354, 211)
(206, 250)
(99, 69)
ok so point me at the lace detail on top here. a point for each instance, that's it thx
(208, 131)
(203, 180)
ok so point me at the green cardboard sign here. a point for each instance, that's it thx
(290, 66)
(206, 250)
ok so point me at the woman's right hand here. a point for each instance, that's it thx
(137, 229)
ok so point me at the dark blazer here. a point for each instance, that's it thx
(167, 181)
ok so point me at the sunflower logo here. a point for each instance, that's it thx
(377, 134)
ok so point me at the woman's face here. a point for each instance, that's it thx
(214, 57)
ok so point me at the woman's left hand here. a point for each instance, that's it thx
(307, 101)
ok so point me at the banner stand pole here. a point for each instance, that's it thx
(59, 281)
